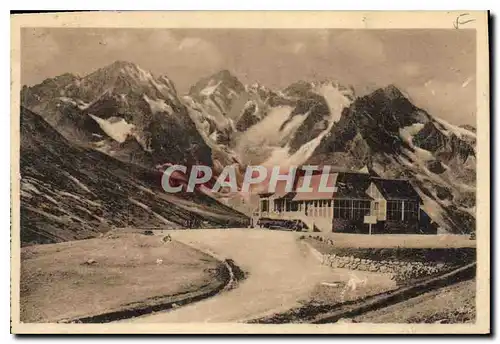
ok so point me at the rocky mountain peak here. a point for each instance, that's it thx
(121, 69)
(223, 82)
(167, 81)
(122, 64)
(223, 74)
(393, 92)
(299, 88)
(390, 108)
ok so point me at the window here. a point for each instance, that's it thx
(278, 205)
(410, 210)
(264, 205)
(394, 210)
(308, 208)
(351, 209)
(336, 209)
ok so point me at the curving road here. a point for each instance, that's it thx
(281, 269)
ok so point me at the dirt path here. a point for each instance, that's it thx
(281, 270)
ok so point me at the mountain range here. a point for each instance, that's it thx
(129, 116)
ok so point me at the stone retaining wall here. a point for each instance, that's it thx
(405, 264)
(402, 271)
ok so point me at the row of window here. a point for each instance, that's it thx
(402, 211)
(351, 209)
(345, 209)
(287, 205)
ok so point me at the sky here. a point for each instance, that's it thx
(436, 68)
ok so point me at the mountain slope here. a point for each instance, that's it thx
(118, 105)
(385, 132)
(293, 126)
(222, 106)
(69, 192)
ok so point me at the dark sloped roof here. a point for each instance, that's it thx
(396, 189)
(265, 194)
(352, 185)
(318, 189)
(289, 195)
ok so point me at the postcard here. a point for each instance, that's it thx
(250, 172)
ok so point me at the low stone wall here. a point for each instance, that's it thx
(402, 271)
(405, 264)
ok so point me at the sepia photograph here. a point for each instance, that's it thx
(202, 173)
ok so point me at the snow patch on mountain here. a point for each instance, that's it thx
(407, 134)
(336, 99)
(78, 183)
(79, 198)
(282, 157)
(115, 127)
(213, 136)
(76, 102)
(139, 204)
(158, 105)
(268, 130)
(448, 129)
(210, 89)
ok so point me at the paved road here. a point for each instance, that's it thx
(281, 271)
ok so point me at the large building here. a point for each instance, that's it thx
(353, 203)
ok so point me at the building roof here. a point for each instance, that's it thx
(280, 188)
(395, 189)
(321, 188)
(349, 185)
(352, 185)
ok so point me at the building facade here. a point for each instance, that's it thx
(350, 203)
